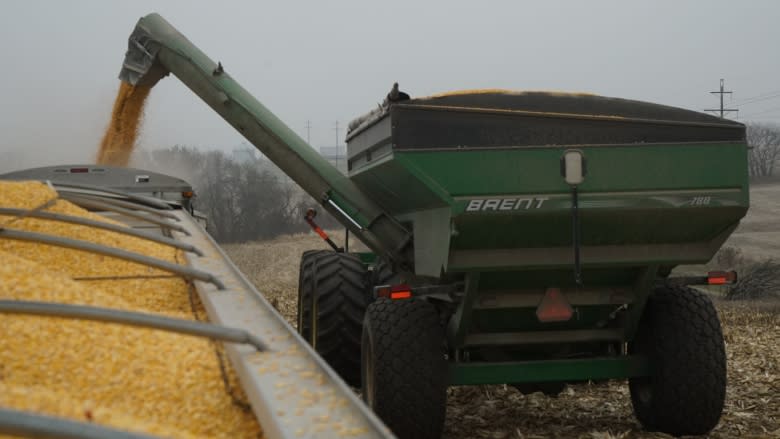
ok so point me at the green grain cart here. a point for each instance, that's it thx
(518, 238)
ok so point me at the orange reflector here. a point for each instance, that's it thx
(554, 307)
(187, 194)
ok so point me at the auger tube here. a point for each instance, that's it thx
(156, 48)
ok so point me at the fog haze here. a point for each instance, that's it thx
(332, 61)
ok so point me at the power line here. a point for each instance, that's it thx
(758, 98)
(308, 132)
(770, 110)
(774, 96)
(721, 93)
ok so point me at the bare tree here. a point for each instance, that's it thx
(764, 141)
(243, 201)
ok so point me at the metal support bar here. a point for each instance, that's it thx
(543, 337)
(643, 288)
(75, 196)
(25, 424)
(345, 214)
(576, 233)
(712, 278)
(76, 244)
(99, 204)
(102, 225)
(581, 369)
(146, 320)
(150, 201)
(531, 297)
(460, 323)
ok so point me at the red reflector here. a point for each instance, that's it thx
(394, 292)
(554, 307)
(401, 291)
(721, 277)
(400, 295)
(79, 170)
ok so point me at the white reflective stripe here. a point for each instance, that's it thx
(336, 206)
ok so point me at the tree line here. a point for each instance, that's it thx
(764, 153)
(243, 200)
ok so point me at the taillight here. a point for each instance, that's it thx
(395, 292)
(721, 277)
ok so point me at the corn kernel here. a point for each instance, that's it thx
(124, 377)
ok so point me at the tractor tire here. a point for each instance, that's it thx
(336, 285)
(680, 334)
(404, 368)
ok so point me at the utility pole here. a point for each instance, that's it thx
(721, 109)
(308, 132)
(336, 127)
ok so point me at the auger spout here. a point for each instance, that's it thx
(156, 48)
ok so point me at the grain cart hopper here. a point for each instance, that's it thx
(519, 238)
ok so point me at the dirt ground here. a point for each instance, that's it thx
(751, 331)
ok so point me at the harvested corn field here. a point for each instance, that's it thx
(752, 333)
(131, 378)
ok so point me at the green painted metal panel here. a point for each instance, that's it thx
(524, 319)
(548, 370)
(394, 186)
(611, 168)
(515, 198)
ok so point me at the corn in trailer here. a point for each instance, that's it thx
(519, 238)
(262, 348)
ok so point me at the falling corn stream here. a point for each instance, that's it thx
(122, 132)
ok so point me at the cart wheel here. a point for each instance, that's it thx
(403, 367)
(340, 283)
(680, 334)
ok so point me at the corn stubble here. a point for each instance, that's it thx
(130, 378)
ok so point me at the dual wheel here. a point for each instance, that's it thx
(391, 349)
(394, 350)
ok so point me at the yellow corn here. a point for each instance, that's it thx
(131, 378)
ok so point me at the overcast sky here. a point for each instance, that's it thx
(328, 61)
